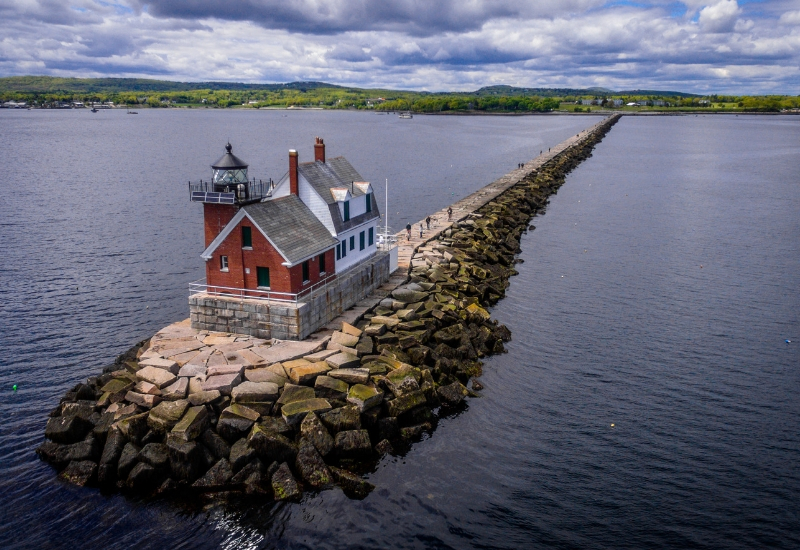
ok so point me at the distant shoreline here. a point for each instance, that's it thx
(598, 112)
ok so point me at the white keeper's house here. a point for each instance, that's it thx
(337, 195)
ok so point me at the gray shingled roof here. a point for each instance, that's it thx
(335, 172)
(292, 227)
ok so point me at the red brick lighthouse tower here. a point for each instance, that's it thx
(228, 189)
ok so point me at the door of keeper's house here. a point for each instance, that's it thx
(262, 273)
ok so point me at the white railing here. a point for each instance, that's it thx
(201, 287)
(386, 241)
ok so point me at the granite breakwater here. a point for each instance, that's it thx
(196, 413)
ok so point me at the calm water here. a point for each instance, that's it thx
(614, 322)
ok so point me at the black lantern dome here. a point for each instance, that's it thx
(229, 169)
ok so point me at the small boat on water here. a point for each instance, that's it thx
(131, 112)
(94, 109)
(406, 114)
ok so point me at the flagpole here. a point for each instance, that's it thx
(386, 219)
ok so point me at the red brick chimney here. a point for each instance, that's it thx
(293, 189)
(319, 150)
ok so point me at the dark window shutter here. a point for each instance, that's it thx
(247, 237)
(262, 274)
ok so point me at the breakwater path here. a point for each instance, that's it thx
(471, 203)
(442, 221)
(191, 413)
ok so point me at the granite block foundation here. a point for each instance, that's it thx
(289, 320)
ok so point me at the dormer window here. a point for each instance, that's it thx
(347, 211)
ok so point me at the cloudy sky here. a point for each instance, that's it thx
(725, 46)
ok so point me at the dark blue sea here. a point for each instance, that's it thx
(648, 399)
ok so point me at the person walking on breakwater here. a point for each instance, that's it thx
(449, 213)
(408, 231)
(420, 231)
(428, 222)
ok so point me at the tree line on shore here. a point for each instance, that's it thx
(60, 92)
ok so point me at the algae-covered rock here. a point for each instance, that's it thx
(412, 432)
(193, 424)
(218, 447)
(452, 394)
(284, 486)
(164, 416)
(248, 392)
(292, 393)
(353, 444)
(477, 310)
(235, 421)
(133, 427)
(271, 446)
(364, 397)
(67, 429)
(409, 296)
(306, 374)
(204, 397)
(127, 460)
(215, 479)
(352, 485)
(405, 403)
(155, 454)
(403, 380)
(343, 418)
(315, 432)
(295, 412)
(81, 473)
(311, 467)
(330, 388)
(241, 454)
(351, 375)
(384, 447)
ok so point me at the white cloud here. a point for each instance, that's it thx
(790, 18)
(719, 17)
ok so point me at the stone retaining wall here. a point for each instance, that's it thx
(284, 320)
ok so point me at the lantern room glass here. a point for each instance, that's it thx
(230, 177)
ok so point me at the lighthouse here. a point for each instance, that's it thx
(283, 259)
